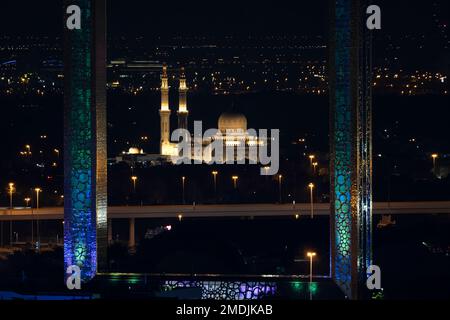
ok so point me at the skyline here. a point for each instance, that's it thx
(89, 127)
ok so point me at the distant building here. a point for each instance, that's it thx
(232, 132)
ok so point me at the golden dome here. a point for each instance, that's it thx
(232, 122)
(135, 151)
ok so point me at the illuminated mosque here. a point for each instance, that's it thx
(232, 128)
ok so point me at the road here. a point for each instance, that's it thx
(229, 210)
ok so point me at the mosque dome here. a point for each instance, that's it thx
(135, 151)
(232, 122)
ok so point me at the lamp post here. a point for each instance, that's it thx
(434, 156)
(315, 164)
(311, 255)
(183, 182)
(11, 192)
(235, 180)
(38, 191)
(311, 188)
(215, 173)
(27, 205)
(134, 179)
(311, 158)
(280, 179)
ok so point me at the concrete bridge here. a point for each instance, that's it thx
(225, 210)
(220, 211)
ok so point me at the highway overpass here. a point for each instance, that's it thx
(225, 210)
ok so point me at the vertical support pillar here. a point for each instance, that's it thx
(132, 233)
(110, 230)
(85, 205)
(351, 146)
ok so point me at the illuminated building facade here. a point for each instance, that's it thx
(183, 112)
(232, 128)
(351, 146)
(166, 147)
(85, 159)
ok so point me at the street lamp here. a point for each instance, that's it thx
(183, 182)
(280, 179)
(235, 180)
(311, 188)
(11, 192)
(38, 191)
(27, 202)
(311, 158)
(215, 173)
(134, 179)
(434, 156)
(315, 164)
(311, 255)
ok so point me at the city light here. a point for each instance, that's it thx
(315, 164)
(280, 179)
(434, 156)
(183, 183)
(134, 179)
(235, 180)
(38, 191)
(311, 255)
(215, 173)
(11, 191)
(311, 188)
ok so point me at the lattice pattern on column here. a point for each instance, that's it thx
(351, 146)
(227, 290)
(85, 177)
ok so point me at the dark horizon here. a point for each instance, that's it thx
(201, 18)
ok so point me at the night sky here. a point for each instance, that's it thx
(139, 17)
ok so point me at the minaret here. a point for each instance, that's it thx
(182, 108)
(165, 111)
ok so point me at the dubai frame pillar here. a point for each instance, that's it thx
(85, 158)
(351, 146)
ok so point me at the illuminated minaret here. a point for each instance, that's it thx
(165, 111)
(182, 108)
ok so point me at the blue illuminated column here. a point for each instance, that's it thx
(85, 228)
(351, 146)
